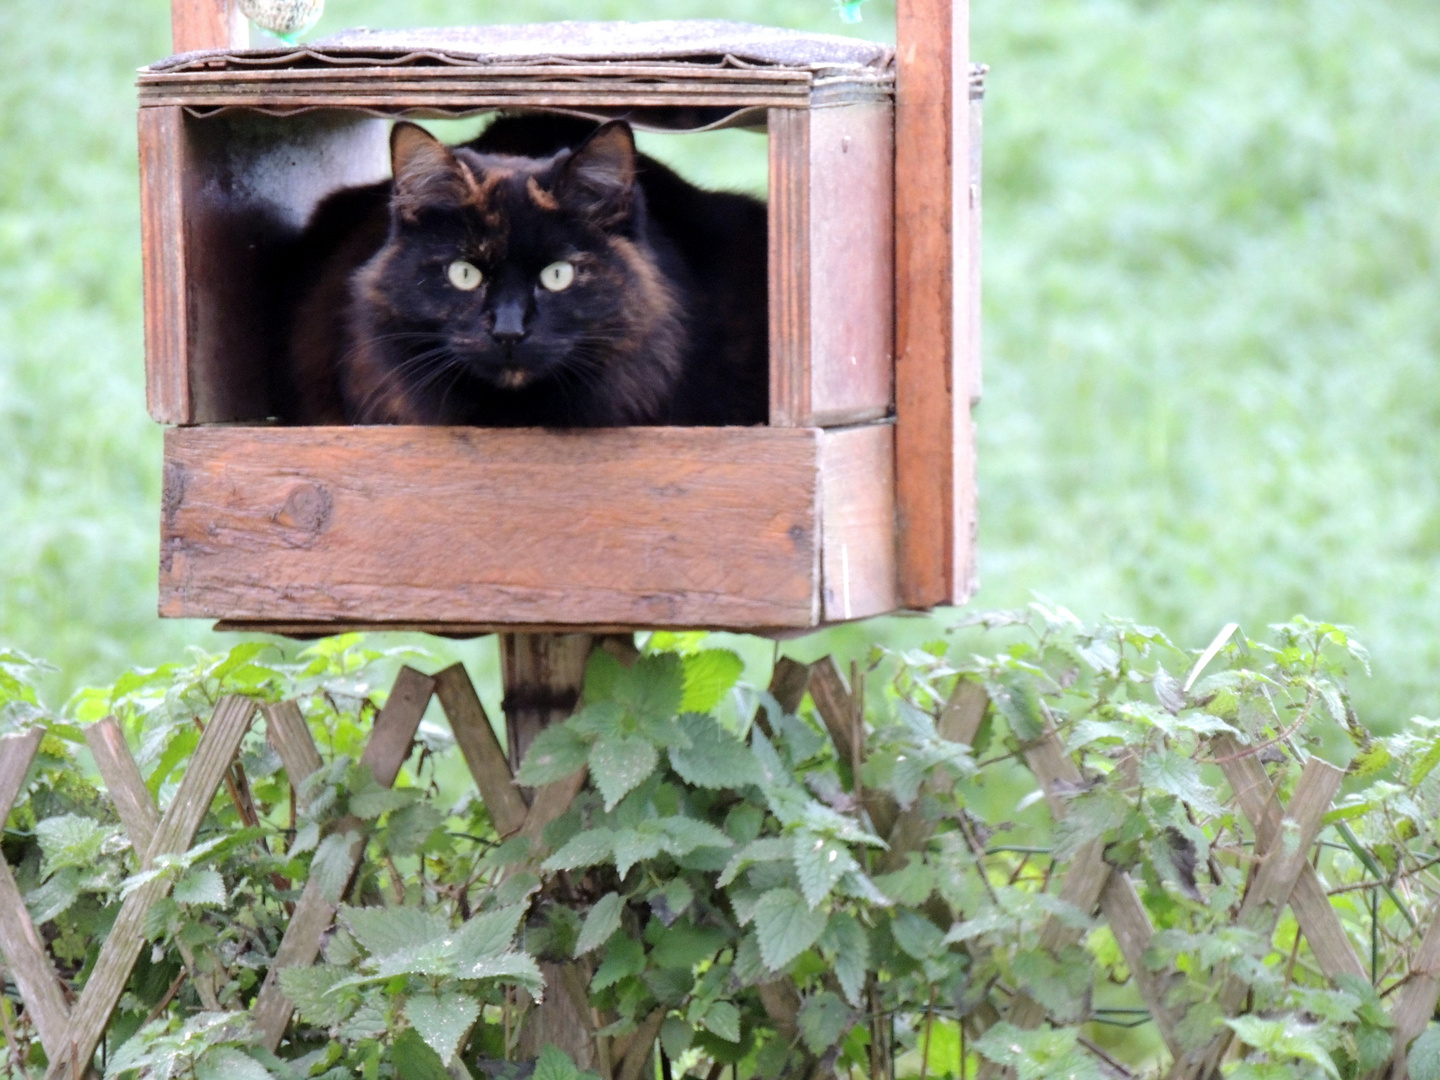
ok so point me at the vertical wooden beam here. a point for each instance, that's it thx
(543, 675)
(935, 450)
(207, 24)
(789, 215)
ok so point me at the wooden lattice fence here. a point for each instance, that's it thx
(1285, 839)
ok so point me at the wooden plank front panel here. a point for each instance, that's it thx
(208, 24)
(641, 526)
(789, 213)
(857, 467)
(852, 264)
(934, 439)
(162, 232)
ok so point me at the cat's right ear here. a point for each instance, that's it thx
(427, 175)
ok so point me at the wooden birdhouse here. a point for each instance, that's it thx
(857, 497)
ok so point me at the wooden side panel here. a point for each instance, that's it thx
(162, 232)
(857, 467)
(934, 447)
(641, 526)
(977, 143)
(852, 264)
(789, 267)
(252, 183)
(208, 24)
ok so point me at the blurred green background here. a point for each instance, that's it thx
(1211, 317)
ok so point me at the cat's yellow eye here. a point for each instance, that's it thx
(558, 275)
(463, 275)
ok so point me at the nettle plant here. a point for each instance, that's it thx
(861, 880)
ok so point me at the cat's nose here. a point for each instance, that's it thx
(509, 323)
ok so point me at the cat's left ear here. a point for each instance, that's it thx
(598, 179)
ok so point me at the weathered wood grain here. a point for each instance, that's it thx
(934, 442)
(542, 675)
(1280, 867)
(851, 254)
(207, 24)
(789, 274)
(289, 735)
(24, 952)
(390, 743)
(163, 167)
(482, 750)
(1322, 928)
(964, 711)
(1416, 1001)
(173, 835)
(123, 783)
(638, 526)
(858, 571)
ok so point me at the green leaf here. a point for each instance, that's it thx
(201, 888)
(917, 936)
(707, 676)
(1038, 1054)
(1426, 764)
(910, 886)
(1370, 760)
(387, 931)
(1016, 698)
(70, 840)
(1286, 1039)
(637, 845)
(55, 896)
(652, 688)
(442, 1020)
(229, 1063)
(723, 1019)
(766, 849)
(623, 957)
(618, 764)
(785, 926)
(684, 835)
(820, 862)
(556, 753)
(824, 1018)
(414, 1060)
(583, 849)
(602, 920)
(553, 1064)
(310, 989)
(1424, 1055)
(715, 758)
(849, 945)
(1175, 774)
(332, 864)
(408, 829)
(487, 935)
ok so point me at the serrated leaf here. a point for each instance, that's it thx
(556, 753)
(917, 936)
(1370, 760)
(487, 935)
(652, 688)
(554, 1064)
(723, 1019)
(1424, 1055)
(820, 862)
(618, 764)
(442, 1020)
(785, 926)
(1016, 698)
(388, 931)
(409, 828)
(229, 1063)
(1175, 774)
(715, 758)
(70, 840)
(332, 864)
(600, 922)
(515, 967)
(637, 845)
(766, 849)
(849, 944)
(583, 849)
(55, 896)
(624, 956)
(413, 1058)
(309, 988)
(685, 835)
(707, 676)
(911, 885)
(823, 1019)
(201, 888)
(1425, 765)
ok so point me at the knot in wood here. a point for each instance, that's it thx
(540, 699)
(307, 507)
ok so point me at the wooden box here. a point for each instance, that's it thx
(802, 522)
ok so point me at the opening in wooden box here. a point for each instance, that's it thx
(783, 526)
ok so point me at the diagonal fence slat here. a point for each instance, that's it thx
(29, 963)
(126, 938)
(288, 735)
(488, 762)
(389, 745)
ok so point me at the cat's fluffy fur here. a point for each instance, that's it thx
(664, 323)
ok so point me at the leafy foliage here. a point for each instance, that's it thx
(711, 859)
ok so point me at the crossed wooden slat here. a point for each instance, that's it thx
(70, 1036)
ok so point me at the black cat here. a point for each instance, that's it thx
(545, 274)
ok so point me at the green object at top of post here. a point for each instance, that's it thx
(286, 19)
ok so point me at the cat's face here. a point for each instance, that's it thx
(512, 270)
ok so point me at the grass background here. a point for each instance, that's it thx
(1211, 318)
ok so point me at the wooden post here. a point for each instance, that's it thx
(934, 439)
(207, 24)
(543, 674)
